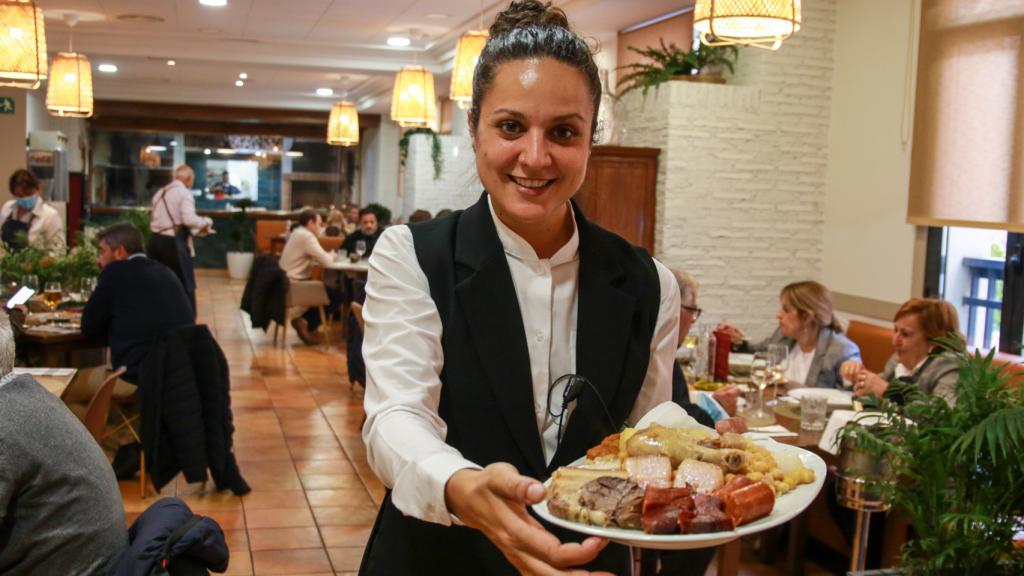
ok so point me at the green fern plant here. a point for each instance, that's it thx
(435, 148)
(959, 468)
(670, 61)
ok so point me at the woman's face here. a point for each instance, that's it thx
(909, 341)
(790, 324)
(532, 140)
(24, 191)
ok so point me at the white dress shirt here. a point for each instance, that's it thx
(180, 209)
(404, 434)
(302, 251)
(798, 365)
(46, 227)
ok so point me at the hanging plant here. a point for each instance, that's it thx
(435, 149)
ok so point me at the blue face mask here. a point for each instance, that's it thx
(28, 202)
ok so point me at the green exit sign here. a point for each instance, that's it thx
(6, 105)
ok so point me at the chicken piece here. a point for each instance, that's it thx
(704, 478)
(650, 471)
(608, 448)
(679, 445)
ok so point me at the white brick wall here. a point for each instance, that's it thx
(458, 187)
(742, 174)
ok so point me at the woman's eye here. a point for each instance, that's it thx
(509, 127)
(563, 132)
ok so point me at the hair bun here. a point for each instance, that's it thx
(527, 13)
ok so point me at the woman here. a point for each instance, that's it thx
(812, 333)
(27, 219)
(918, 322)
(471, 320)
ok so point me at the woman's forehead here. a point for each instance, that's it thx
(538, 85)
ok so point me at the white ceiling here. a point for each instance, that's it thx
(289, 48)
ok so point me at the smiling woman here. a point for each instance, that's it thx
(473, 319)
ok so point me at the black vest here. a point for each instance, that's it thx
(487, 392)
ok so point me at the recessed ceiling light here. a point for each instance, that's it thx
(239, 83)
(398, 41)
(324, 92)
(243, 76)
(108, 68)
(227, 151)
(293, 154)
(174, 142)
(207, 151)
(214, 2)
(156, 148)
(171, 63)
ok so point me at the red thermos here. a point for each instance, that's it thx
(722, 345)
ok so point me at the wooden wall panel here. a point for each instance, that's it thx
(619, 193)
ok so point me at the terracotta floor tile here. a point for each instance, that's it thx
(345, 536)
(345, 515)
(257, 500)
(279, 518)
(303, 561)
(324, 467)
(327, 481)
(346, 559)
(339, 497)
(228, 519)
(283, 538)
(317, 453)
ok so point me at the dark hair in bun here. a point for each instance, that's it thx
(533, 29)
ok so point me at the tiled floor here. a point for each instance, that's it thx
(297, 440)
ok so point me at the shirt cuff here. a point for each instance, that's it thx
(419, 490)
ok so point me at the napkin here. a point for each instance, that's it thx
(669, 415)
(840, 418)
(775, 431)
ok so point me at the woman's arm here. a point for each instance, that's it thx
(657, 386)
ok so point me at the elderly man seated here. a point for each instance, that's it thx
(60, 508)
(302, 252)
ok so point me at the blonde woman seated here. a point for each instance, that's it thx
(918, 322)
(812, 333)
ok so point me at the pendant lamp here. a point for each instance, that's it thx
(412, 102)
(343, 125)
(467, 52)
(69, 92)
(22, 44)
(758, 23)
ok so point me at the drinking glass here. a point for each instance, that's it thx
(813, 408)
(30, 281)
(85, 287)
(52, 295)
(760, 375)
(778, 361)
(361, 248)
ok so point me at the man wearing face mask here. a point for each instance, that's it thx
(301, 253)
(27, 219)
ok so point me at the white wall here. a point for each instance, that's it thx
(742, 173)
(12, 139)
(457, 188)
(869, 249)
(379, 170)
(38, 119)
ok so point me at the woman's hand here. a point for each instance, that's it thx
(727, 397)
(494, 501)
(734, 333)
(850, 370)
(864, 381)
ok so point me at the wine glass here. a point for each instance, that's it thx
(760, 375)
(52, 295)
(30, 281)
(86, 286)
(361, 248)
(778, 361)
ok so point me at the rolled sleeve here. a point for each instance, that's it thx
(657, 386)
(404, 434)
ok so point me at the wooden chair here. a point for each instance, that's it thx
(875, 343)
(98, 412)
(303, 293)
(331, 242)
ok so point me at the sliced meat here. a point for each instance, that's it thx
(735, 425)
(612, 501)
(663, 507)
(733, 485)
(749, 503)
(704, 478)
(709, 516)
(650, 471)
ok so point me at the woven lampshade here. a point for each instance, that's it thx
(69, 92)
(471, 44)
(22, 44)
(412, 102)
(343, 125)
(760, 23)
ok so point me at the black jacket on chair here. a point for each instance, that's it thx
(187, 425)
(265, 291)
(194, 549)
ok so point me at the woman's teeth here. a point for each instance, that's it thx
(525, 183)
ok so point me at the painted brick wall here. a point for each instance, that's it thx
(458, 187)
(742, 175)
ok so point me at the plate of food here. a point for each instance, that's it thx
(836, 398)
(678, 488)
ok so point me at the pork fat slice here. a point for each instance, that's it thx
(704, 478)
(650, 471)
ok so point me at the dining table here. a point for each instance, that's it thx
(55, 380)
(58, 337)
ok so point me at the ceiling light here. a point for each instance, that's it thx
(108, 68)
(758, 23)
(467, 52)
(23, 47)
(239, 83)
(226, 151)
(207, 151)
(214, 2)
(324, 92)
(69, 92)
(293, 154)
(398, 41)
(174, 142)
(412, 100)
(343, 125)
(243, 76)
(156, 148)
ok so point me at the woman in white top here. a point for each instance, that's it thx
(812, 333)
(27, 219)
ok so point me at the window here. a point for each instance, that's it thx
(979, 272)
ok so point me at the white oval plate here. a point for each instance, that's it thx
(786, 508)
(836, 398)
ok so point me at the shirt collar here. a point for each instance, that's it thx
(902, 372)
(136, 255)
(515, 246)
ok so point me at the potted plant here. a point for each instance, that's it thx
(435, 148)
(240, 259)
(702, 64)
(958, 468)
